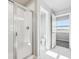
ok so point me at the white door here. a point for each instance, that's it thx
(23, 32)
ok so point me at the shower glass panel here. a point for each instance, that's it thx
(10, 30)
(43, 30)
(22, 32)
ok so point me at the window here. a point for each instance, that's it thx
(63, 22)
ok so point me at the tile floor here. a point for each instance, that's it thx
(56, 53)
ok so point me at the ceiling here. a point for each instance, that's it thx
(24, 2)
(59, 6)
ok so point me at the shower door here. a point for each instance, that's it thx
(22, 33)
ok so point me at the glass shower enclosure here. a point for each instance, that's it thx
(20, 31)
